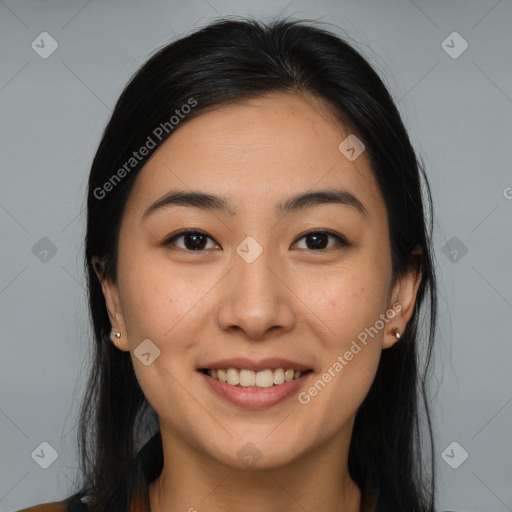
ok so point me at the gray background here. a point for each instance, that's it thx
(458, 111)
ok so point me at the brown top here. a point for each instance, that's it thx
(138, 503)
(54, 506)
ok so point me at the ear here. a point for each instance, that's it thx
(113, 303)
(403, 297)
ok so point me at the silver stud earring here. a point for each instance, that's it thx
(396, 333)
(116, 334)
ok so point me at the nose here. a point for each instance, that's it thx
(257, 299)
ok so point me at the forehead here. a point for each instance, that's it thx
(258, 151)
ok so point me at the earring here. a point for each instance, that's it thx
(115, 336)
(396, 333)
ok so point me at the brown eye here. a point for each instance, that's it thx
(193, 240)
(319, 240)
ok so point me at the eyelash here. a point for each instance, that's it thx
(341, 241)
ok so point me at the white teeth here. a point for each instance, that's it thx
(278, 376)
(248, 378)
(233, 376)
(265, 379)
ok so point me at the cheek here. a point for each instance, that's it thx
(346, 301)
(152, 301)
(165, 308)
(146, 304)
(163, 302)
(349, 304)
(350, 353)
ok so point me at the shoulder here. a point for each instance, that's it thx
(74, 503)
(54, 506)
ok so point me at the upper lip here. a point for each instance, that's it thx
(255, 365)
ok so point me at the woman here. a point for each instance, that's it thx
(258, 257)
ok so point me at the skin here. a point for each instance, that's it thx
(293, 301)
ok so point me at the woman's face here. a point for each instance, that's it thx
(270, 287)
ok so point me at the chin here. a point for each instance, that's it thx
(256, 452)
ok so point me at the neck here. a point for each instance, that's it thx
(316, 481)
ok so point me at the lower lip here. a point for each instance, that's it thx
(255, 398)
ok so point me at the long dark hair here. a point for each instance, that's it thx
(225, 62)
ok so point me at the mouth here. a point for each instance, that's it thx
(253, 385)
(262, 379)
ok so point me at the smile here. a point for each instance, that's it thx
(254, 379)
(251, 389)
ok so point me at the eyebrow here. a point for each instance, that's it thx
(298, 202)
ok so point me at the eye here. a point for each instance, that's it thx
(194, 240)
(319, 240)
